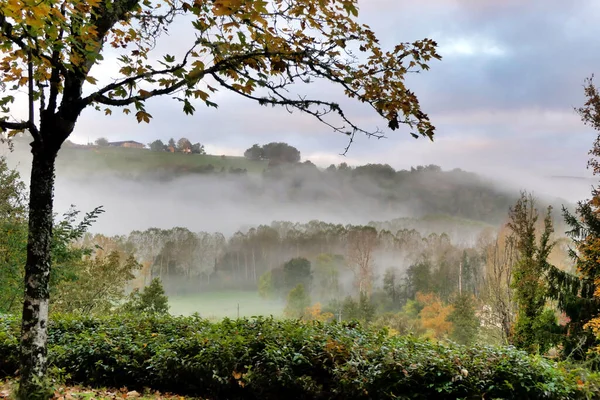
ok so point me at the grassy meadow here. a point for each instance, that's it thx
(130, 160)
(217, 305)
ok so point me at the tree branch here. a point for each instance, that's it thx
(32, 127)
(192, 78)
(17, 126)
(99, 95)
(55, 75)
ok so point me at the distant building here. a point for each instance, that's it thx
(127, 143)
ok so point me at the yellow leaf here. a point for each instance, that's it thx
(107, 111)
(142, 116)
(201, 94)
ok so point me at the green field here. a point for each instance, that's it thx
(138, 160)
(224, 304)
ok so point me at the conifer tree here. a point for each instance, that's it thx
(465, 323)
(578, 296)
(528, 274)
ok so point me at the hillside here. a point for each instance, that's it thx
(140, 161)
(131, 183)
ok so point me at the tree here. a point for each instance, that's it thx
(326, 276)
(151, 300)
(97, 285)
(157, 145)
(198, 148)
(366, 308)
(184, 145)
(297, 271)
(465, 323)
(362, 241)
(298, 300)
(265, 285)
(280, 153)
(13, 239)
(172, 144)
(101, 142)
(13, 197)
(275, 152)
(251, 52)
(578, 295)
(528, 273)
(254, 153)
(13, 236)
(499, 255)
(434, 314)
(392, 286)
(418, 278)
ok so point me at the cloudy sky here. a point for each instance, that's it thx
(502, 98)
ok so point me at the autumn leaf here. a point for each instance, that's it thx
(144, 93)
(143, 116)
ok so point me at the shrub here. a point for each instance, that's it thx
(269, 359)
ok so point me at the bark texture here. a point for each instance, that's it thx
(37, 273)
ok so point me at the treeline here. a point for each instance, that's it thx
(182, 258)
(339, 260)
(420, 191)
(183, 145)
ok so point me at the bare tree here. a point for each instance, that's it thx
(362, 242)
(500, 257)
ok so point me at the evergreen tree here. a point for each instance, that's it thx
(577, 295)
(528, 274)
(465, 322)
(418, 278)
(392, 286)
(362, 310)
(350, 309)
(366, 308)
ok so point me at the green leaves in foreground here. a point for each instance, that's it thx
(268, 359)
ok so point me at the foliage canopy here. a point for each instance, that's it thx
(253, 48)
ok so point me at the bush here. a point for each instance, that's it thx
(269, 359)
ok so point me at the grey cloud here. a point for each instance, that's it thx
(491, 110)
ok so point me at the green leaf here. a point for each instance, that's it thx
(188, 108)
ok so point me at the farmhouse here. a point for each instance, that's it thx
(127, 143)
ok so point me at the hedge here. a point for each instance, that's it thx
(272, 359)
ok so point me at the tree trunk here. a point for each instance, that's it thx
(37, 273)
(254, 263)
(246, 263)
